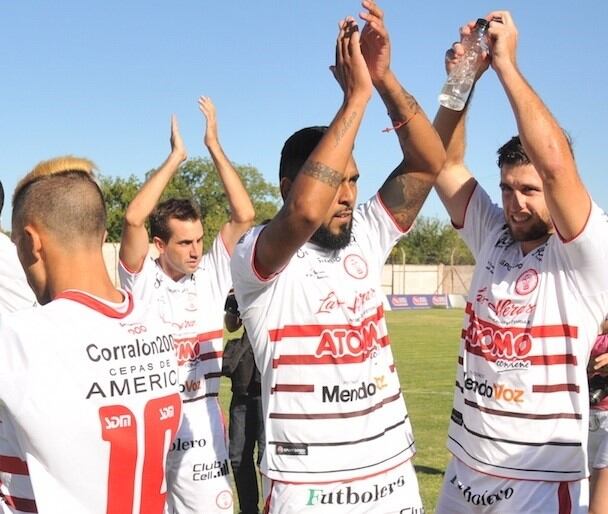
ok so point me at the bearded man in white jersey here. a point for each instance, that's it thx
(89, 398)
(518, 431)
(15, 294)
(338, 437)
(187, 290)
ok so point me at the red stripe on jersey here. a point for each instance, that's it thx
(13, 465)
(93, 303)
(306, 360)
(207, 336)
(337, 415)
(536, 331)
(563, 494)
(535, 360)
(315, 330)
(22, 504)
(509, 414)
(293, 388)
(555, 388)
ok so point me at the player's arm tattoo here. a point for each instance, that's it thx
(346, 124)
(403, 195)
(401, 107)
(320, 171)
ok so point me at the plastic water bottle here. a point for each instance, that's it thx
(458, 86)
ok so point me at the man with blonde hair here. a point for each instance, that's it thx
(88, 381)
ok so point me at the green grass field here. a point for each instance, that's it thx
(425, 347)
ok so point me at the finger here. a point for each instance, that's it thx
(373, 8)
(503, 17)
(354, 46)
(174, 126)
(339, 40)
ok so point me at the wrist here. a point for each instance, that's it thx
(386, 82)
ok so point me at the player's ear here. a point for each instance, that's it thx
(31, 246)
(285, 186)
(160, 244)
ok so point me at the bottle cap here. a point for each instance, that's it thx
(482, 23)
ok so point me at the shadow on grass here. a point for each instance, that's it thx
(428, 471)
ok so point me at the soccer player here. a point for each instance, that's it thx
(15, 293)
(518, 431)
(188, 290)
(338, 436)
(89, 397)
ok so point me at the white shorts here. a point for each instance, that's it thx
(392, 492)
(466, 491)
(197, 465)
(598, 439)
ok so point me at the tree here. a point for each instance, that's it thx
(197, 179)
(432, 241)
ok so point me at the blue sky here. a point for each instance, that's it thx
(101, 79)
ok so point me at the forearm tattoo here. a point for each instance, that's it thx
(346, 124)
(320, 171)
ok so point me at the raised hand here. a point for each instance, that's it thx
(350, 69)
(208, 109)
(178, 149)
(503, 40)
(456, 52)
(375, 43)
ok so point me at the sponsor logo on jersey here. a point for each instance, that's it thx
(361, 341)
(505, 240)
(353, 495)
(497, 342)
(329, 303)
(122, 421)
(189, 386)
(526, 282)
(355, 266)
(140, 348)
(136, 384)
(182, 445)
(506, 309)
(380, 382)
(510, 266)
(167, 412)
(497, 391)
(337, 394)
(209, 471)
(483, 498)
(298, 449)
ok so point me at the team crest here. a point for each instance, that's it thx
(526, 282)
(355, 266)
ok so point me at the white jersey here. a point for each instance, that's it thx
(333, 406)
(521, 404)
(194, 309)
(15, 293)
(89, 405)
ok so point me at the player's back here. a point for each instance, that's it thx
(90, 406)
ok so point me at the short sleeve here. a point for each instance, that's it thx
(139, 283)
(587, 254)
(482, 217)
(217, 259)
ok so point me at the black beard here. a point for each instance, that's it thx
(326, 239)
(537, 231)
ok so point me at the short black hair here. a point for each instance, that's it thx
(512, 153)
(297, 149)
(183, 209)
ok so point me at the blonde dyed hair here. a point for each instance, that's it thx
(62, 195)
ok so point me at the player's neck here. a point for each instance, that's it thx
(86, 272)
